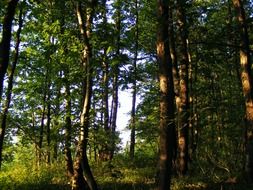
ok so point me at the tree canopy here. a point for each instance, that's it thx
(186, 66)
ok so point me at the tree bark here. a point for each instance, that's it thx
(167, 124)
(67, 150)
(48, 155)
(6, 40)
(246, 79)
(115, 93)
(104, 153)
(134, 94)
(182, 165)
(82, 173)
(10, 86)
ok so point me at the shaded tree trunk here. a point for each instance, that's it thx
(67, 150)
(182, 165)
(42, 124)
(115, 90)
(6, 40)
(48, 155)
(167, 134)
(246, 79)
(104, 153)
(134, 94)
(9, 88)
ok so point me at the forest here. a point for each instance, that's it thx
(184, 67)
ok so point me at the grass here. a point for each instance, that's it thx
(109, 176)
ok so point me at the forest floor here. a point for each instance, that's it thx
(110, 177)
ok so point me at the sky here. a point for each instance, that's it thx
(125, 106)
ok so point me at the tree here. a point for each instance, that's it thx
(134, 93)
(246, 79)
(5, 109)
(184, 89)
(167, 124)
(81, 164)
(5, 42)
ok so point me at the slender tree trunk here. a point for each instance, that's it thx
(9, 88)
(82, 172)
(42, 125)
(173, 52)
(104, 153)
(6, 40)
(67, 150)
(115, 97)
(134, 94)
(246, 79)
(184, 90)
(167, 124)
(48, 158)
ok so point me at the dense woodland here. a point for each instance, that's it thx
(186, 66)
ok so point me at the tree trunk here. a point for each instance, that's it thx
(48, 158)
(115, 97)
(82, 174)
(67, 150)
(246, 79)
(167, 125)
(42, 124)
(9, 88)
(133, 111)
(104, 153)
(6, 40)
(183, 85)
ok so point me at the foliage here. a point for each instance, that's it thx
(50, 61)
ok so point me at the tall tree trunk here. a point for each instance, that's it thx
(246, 79)
(173, 52)
(10, 86)
(42, 124)
(48, 155)
(104, 153)
(167, 124)
(115, 93)
(183, 85)
(6, 40)
(82, 172)
(134, 94)
(67, 150)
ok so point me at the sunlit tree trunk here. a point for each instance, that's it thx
(9, 88)
(167, 124)
(134, 93)
(246, 79)
(183, 109)
(6, 40)
(82, 173)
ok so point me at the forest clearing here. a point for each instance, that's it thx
(184, 67)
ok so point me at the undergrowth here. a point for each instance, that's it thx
(119, 174)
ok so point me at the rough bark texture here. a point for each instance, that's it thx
(5, 43)
(83, 178)
(246, 79)
(9, 88)
(167, 125)
(182, 164)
